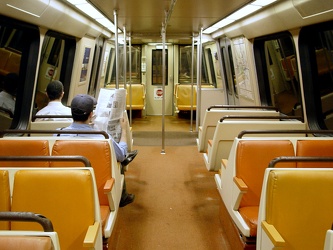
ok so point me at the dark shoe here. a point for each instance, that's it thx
(129, 199)
(129, 157)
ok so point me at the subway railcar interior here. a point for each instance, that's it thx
(215, 90)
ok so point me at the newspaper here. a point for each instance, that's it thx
(111, 104)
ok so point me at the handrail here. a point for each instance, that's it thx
(242, 107)
(50, 116)
(299, 159)
(70, 158)
(261, 117)
(19, 131)
(28, 216)
(299, 131)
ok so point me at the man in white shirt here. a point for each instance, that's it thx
(55, 92)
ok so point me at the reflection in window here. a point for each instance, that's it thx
(135, 66)
(185, 66)
(11, 49)
(157, 67)
(324, 59)
(54, 63)
(281, 79)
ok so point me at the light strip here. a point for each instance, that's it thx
(14, 7)
(243, 12)
(91, 11)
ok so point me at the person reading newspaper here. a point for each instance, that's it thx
(82, 107)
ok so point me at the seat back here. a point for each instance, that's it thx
(4, 56)
(252, 158)
(48, 125)
(212, 116)
(299, 206)
(314, 148)
(98, 152)
(4, 197)
(138, 96)
(13, 63)
(24, 148)
(226, 132)
(64, 197)
(183, 97)
(16, 242)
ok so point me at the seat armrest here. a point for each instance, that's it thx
(240, 184)
(107, 190)
(239, 188)
(109, 185)
(273, 235)
(91, 236)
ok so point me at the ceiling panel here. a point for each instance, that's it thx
(144, 18)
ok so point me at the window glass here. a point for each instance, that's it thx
(55, 64)
(278, 77)
(185, 66)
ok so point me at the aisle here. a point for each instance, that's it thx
(176, 205)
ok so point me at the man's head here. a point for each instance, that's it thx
(55, 90)
(82, 106)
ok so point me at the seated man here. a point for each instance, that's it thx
(55, 92)
(82, 107)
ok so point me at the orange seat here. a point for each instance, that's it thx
(252, 158)
(26, 243)
(4, 197)
(296, 209)
(64, 196)
(314, 148)
(24, 148)
(98, 152)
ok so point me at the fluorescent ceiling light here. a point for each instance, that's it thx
(243, 12)
(263, 2)
(247, 10)
(91, 11)
(161, 47)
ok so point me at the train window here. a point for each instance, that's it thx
(157, 67)
(277, 73)
(224, 68)
(316, 57)
(241, 69)
(134, 69)
(231, 61)
(211, 69)
(19, 44)
(185, 66)
(56, 63)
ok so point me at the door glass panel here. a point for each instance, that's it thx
(157, 67)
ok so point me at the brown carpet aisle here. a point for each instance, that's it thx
(176, 205)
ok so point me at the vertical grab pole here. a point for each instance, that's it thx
(199, 63)
(125, 57)
(192, 78)
(163, 87)
(116, 44)
(130, 74)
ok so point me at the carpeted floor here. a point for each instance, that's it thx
(176, 205)
(171, 138)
